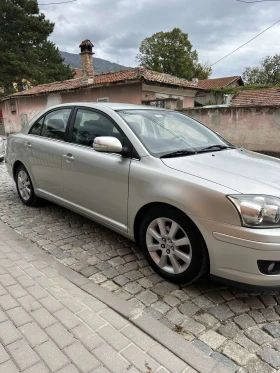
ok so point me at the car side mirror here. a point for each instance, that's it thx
(107, 144)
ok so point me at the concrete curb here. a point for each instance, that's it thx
(152, 327)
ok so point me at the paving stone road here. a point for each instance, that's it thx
(47, 324)
(237, 328)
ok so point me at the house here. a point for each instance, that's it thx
(212, 97)
(137, 85)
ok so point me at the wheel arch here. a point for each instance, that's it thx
(146, 208)
(15, 167)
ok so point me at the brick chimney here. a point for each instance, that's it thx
(86, 55)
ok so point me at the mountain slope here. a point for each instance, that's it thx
(100, 65)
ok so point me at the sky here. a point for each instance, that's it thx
(215, 28)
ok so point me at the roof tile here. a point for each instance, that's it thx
(260, 97)
(218, 82)
(135, 74)
(78, 73)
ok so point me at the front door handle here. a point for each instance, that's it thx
(68, 157)
(28, 145)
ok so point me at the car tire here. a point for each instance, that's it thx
(173, 245)
(1, 159)
(25, 187)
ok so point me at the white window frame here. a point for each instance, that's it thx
(103, 99)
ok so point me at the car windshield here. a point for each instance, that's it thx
(165, 132)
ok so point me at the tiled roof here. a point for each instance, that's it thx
(78, 73)
(219, 82)
(136, 74)
(257, 97)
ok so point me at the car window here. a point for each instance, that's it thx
(37, 127)
(55, 124)
(163, 131)
(90, 124)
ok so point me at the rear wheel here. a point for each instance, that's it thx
(24, 187)
(173, 245)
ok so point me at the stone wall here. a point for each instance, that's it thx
(254, 128)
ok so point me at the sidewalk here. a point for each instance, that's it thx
(55, 320)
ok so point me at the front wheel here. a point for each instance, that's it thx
(173, 245)
(1, 159)
(24, 187)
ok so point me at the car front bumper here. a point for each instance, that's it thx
(235, 251)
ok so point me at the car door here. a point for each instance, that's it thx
(43, 148)
(95, 182)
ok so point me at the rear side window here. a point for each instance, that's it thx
(55, 123)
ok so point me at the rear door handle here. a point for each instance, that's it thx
(68, 157)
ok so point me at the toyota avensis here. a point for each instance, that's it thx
(190, 199)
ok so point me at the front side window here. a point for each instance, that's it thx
(89, 125)
(162, 131)
(55, 123)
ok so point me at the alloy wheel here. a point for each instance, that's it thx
(169, 245)
(24, 185)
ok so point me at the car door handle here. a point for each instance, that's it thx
(28, 145)
(68, 157)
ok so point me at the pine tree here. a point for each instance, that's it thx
(26, 54)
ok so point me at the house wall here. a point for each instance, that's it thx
(128, 93)
(26, 108)
(185, 97)
(254, 128)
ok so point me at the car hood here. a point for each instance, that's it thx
(241, 170)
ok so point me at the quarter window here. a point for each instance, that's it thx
(55, 123)
(36, 128)
(89, 125)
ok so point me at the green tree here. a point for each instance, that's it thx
(171, 53)
(268, 72)
(25, 51)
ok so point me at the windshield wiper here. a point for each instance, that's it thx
(215, 147)
(178, 153)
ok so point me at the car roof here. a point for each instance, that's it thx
(112, 105)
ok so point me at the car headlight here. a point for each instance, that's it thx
(257, 211)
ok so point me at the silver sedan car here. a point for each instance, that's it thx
(192, 201)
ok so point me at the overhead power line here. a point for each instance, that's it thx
(255, 1)
(61, 2)
(249, 41)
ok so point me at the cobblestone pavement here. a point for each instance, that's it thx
(47, 324)
(237, 328)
